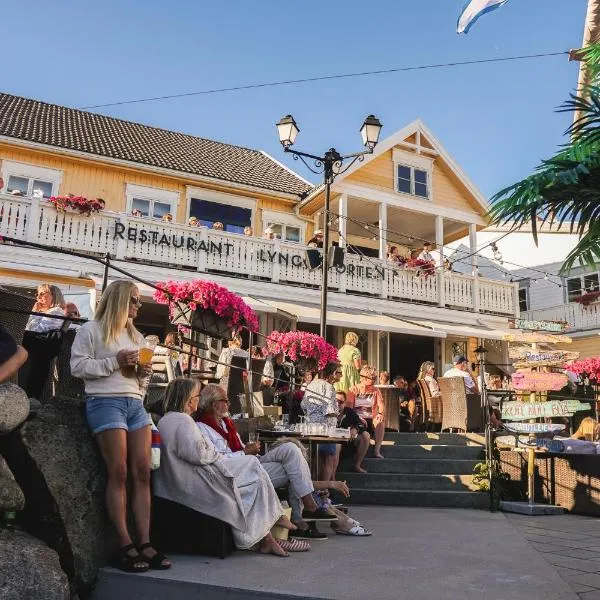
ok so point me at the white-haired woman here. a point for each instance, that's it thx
(192, 472)
(105, 355)
(50, 301)
(350, 360)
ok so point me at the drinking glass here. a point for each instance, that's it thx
(146, 352)
(252, 437)
(286, 421)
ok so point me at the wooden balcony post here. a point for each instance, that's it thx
(121, 242)
(33, 221)
(474, 269)
(439, 242)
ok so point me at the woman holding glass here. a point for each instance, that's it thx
(106, 355)
(368, 403)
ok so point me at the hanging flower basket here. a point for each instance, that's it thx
(307, 351)
(206, 307)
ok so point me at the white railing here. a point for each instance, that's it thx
(578, 317)
(200, 249)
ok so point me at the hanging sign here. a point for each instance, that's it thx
(534, 427)
(534, 381)
(537, 338)
(523, 411)
(550, 326)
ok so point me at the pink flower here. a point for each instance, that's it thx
(301, 344)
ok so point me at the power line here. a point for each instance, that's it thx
(325, 78)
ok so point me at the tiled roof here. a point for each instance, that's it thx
(73, 129)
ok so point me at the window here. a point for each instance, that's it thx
(234, 218)
(30, 180)
(413, 181)
(286, 226)
(523, 300)
(151, 202)
(577, 286)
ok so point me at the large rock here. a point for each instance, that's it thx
(29, 570)
(11, 496)
(14, 407)
(57, 464)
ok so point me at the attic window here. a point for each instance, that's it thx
(413, 181)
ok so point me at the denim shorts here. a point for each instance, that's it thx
(115, 412)
(328, 449)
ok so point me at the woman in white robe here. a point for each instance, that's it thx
(237, 491)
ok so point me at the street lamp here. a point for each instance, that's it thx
(330, 165)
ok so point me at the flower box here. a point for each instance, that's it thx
(307, 351)
(76, 204)
(203, 321)
(589, 298)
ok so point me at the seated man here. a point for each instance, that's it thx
(12, 357)
(285, 464)
(461, 369)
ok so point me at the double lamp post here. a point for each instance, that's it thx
(331, 164)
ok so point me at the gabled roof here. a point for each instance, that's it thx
(396, 139)
(81, 131)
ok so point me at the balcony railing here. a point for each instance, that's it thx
(578, 317)
(205, 250)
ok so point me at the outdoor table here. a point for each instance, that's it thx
(312, 441)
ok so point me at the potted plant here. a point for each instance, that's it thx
(77, 204)
(206, 307)
(307, 351)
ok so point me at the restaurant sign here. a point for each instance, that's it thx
(523, 411)
(534, 381)
(550, 326)
(550, 358)
(534, 427)
(226, 248)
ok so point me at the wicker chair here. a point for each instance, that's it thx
(460, 410)
(162, 373)
(391, 400)
(62, 382)
(431, 407)
(13, 322)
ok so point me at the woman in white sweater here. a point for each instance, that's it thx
(105, 355)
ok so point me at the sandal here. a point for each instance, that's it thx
(156, 562)
(294, 545)
(129, 563)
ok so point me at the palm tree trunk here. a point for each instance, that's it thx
(591, 35)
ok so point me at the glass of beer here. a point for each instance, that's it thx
(146, 352)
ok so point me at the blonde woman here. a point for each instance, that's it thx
(368, 403)
(426, 373)
(49, 300)
(235, 489)
(105, 355)
(349, 357)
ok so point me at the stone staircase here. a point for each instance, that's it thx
(420, 469)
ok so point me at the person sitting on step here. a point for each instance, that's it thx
(12, 357)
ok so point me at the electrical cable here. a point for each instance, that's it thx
(325, 78)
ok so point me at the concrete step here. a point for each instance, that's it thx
(439, 466)
(421, 498)
(433, 451)
(447, 439)
(407, 481)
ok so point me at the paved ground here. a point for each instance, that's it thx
(571, 544)
(415, 553)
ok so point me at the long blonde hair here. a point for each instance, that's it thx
(424, 368)
(112, 313)
(57, 296)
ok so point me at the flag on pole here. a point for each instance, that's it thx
(473, 10)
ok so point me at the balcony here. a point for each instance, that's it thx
(579, 317)
(207, 251)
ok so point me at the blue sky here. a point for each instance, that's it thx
(496, 120)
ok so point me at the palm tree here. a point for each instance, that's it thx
(565, 189)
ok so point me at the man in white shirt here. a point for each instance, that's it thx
(426, 253)
(461, 369)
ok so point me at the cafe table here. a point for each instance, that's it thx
(268, 436)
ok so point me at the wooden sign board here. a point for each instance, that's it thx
(523, 411)
(550, 358)
(534, 427)
(525, 353)
(534, 381)
(550, 326)
(536, 338)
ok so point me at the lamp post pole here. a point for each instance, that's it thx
(330, 165)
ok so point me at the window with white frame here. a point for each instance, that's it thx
(151, 202)
(412, 174)
(30, 180)
(582, 284)
(285, 226)
(210, 207)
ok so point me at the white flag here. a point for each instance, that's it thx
(473, 10)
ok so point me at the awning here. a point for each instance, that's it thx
(482, 330)
(360, 320)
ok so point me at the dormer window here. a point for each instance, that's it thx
(413, 174)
